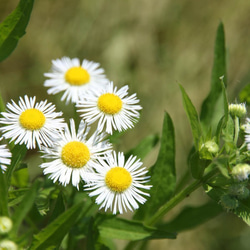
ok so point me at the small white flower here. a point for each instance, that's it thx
(5, 224)
(241, 171)
(117, 184)
(73, 156)
(73, 78)
(8, 245)
(112, 107)
(5, 156)
(31, 123)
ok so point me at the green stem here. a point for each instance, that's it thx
(179, 197)
(236, 129)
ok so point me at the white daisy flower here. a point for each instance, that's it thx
(112, 107)
(5, 156)
(74, 78)
(117, 184)
(31, 123)
(73, 155)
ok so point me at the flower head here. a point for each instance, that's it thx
(237, 109)
(73, 155)
(31, 123)
(5, 156)
(8, 245)
(112, 107)
(241, 171)
(5, 224)
(117, 184)
(74, 78)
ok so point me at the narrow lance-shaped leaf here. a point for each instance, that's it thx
(193, 118)
(4, 194)
(210, 108)
(52, 235)
(13, 27)
(18, 153)
(118, 228)
(24, 207)
(144, 147)
(163, 178)
(191, 217)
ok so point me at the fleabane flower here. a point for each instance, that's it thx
(113, 108)
(30, 122)
(73, 155)
(74, 78)
(5, 156)
(118, 183)
(237, 109)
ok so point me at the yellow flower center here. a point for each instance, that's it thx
(118, 179)
(32, 119)
(109, 103)
(75, 154)
(77, 76)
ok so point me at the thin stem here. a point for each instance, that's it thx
(179, 197)
(236, 129)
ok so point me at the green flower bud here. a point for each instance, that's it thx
(8, 245)
(239, 190)
(241, 171)
(238, 110)
(5, 224)
(208, 150)
(228, 202)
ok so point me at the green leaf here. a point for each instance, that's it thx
(4, 194)
(118, 228)
(163, 176)
(197, 165)
(193, 118)
(52, 235)
(243, 211)
(144, 147)
(191, 217)
(210, 109)
(13, 27)
(24, 207)
(18, 153)
(20, 178)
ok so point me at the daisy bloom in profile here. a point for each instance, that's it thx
(112, 107)
(30, 122)
(73, 155)
(73, 78)
(117, 184)
(5, 156)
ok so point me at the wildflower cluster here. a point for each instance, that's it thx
(71, 154)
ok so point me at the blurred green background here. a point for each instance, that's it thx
(152, 46)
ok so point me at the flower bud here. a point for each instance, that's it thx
(241, 171)
(239, 190)
(5, 224)
(8, 245)
(208, 150)
(228, 202)
(238, 110)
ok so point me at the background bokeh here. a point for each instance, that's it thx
(152, 46)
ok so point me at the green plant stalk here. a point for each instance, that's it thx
(236, 129)
(179, 197)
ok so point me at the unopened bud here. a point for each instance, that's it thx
(238, 110)
(5, 224)
(241, 171)
(239, 190)
(8, 245)
(208, 150)
(228, 202)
